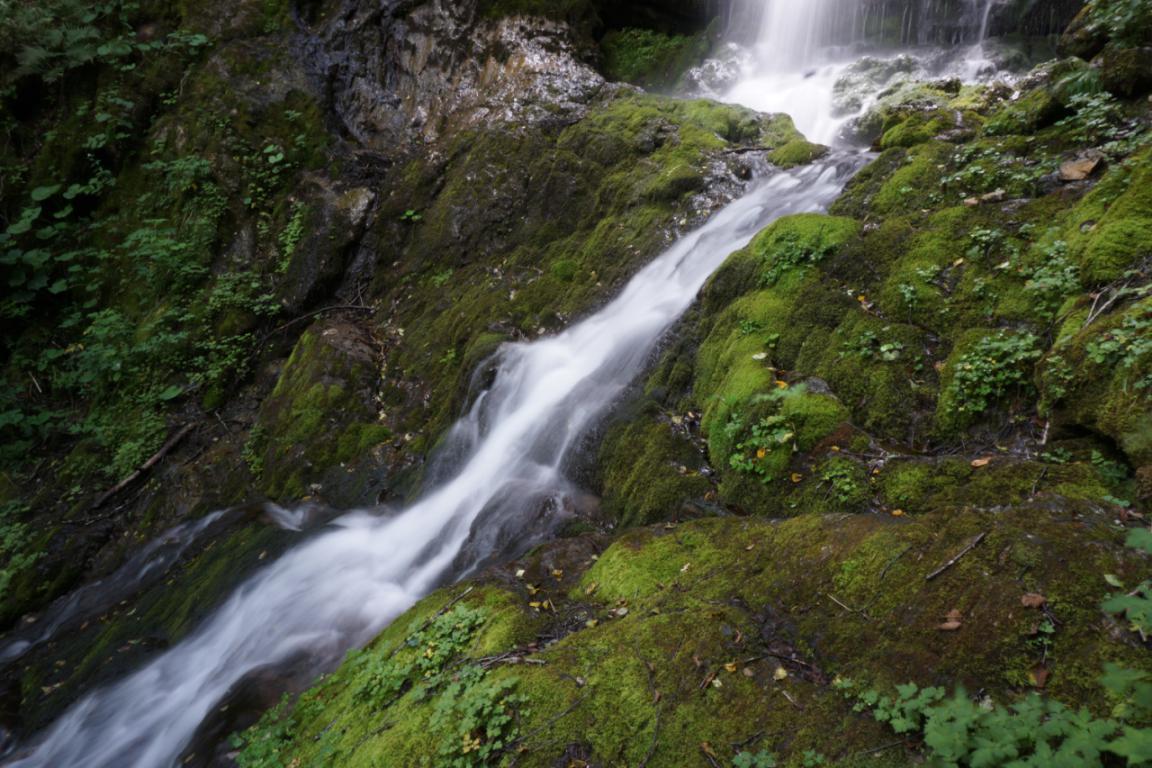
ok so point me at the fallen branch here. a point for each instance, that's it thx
(971, 545)
(153, 461)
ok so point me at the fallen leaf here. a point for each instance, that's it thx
(747, 672)
(684, 568)
(532, 589)
(952, 621)
(781, 384)
(716, 683)
(730, 666)
(1033, 600)
(897, 513)
(558, 574)
(591, 588)
(520, 573)
(780, 674)
(797, 477)
(978, 463)
(1039, 675)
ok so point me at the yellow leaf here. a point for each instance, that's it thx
(761, 453)
(558, 574)
(797, 477)
(897, 513)
(730, 666)
(532, 589)
(781, 384)
(978, 463)
(591, 588)
(780, 673)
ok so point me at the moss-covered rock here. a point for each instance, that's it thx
(722, 635)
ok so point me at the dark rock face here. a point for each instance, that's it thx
(410, 73)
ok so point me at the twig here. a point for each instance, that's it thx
(892, 562)
(874, 750)
(310, 315)
(848, 608)
(711, 760)
(1036, 485)
(153, 461)
(971, 545)
(791, 700)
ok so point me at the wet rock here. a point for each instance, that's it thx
(333, 218)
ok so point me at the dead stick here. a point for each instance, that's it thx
(971, 545)
(164, 450)
(848, 608)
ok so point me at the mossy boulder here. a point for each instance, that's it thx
(797, 152)
(320, 418)
(726, 634)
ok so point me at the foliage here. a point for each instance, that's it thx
(13, 544)
(992, 367)
(49, 39)
(1054, 279)
(757, 447)
(649, 58)
(791, 250)
(1136, 604)
(1128, 22)
(1128, 347)
(762, 759)
(476, 719)
(1034, 731)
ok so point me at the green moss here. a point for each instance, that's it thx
(650, 470)
(1102, 229)
(728, 632)
(648, 58)
(797, 152)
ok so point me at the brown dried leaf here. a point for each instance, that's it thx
(978, 463)
(1033, 600)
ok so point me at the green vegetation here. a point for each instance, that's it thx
(648, 58)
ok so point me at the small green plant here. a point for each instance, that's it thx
(1054, 279)
(1135, 605)
(843, 480)
(1128, 347)
(14, 540)
(476, 719)
(762, 759)
(990, 369)
(410, 216)
(441, 278)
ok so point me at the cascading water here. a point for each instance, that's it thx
(339, 589)
(805, 47)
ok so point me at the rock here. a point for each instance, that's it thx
(1126, 72)
(1083, 166)
(1082, 39)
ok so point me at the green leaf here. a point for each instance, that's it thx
(40, 194)
(171, 393)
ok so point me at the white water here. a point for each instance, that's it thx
(805, 46)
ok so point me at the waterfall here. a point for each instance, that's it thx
(792, 32)
(340, 589)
